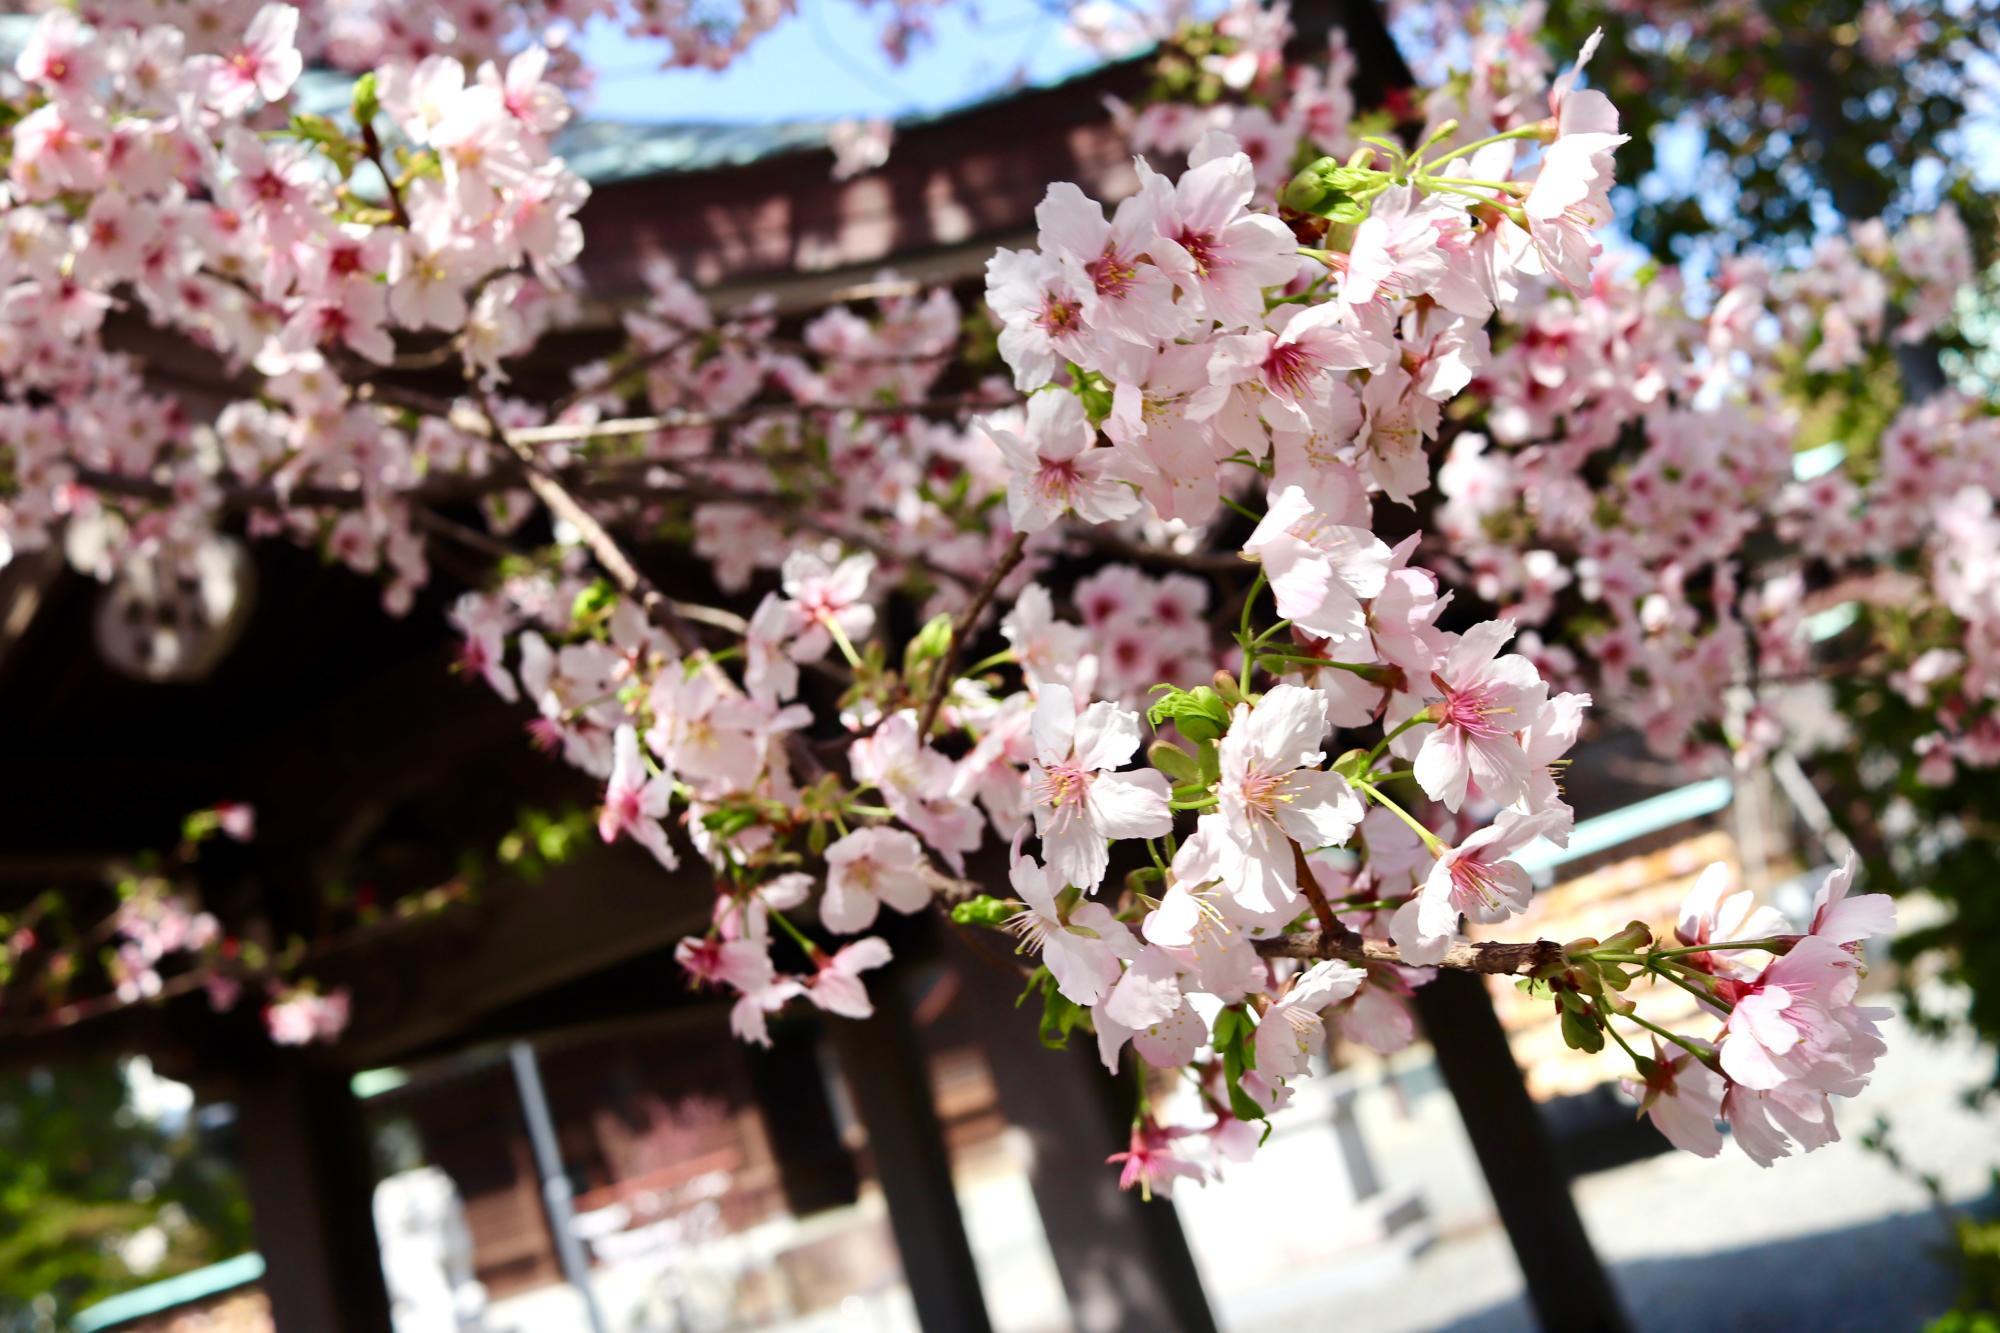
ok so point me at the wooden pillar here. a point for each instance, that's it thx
(311, 1184)
(1567, 1285)
(890, 1081)
(1124, 1262)
(815, 1169)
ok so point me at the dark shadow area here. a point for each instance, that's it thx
(1882, 1277)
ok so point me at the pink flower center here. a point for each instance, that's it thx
(1059, 316)
(1471, 710)
(1058, 477)
(703, 960)
(1288, 367)
(1262, 791)
(1473, 880)
(472, 657)
(1112, 274)
(268, 185)
(1067, 783)
(1200, 246)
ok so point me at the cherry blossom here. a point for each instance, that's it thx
(1682, 1096)
(1082, 952)
(1320, 572)
(1477, 878)
(634, 803)
(1056, 469)
(1079, 802)
(1291, 1031)
(940, 612)
(264, 65)
(868, 867)
(1470, 741)
(837, 986)
(1274, 798)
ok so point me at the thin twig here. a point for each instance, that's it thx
(1206, 562)
(1487, 957)
(1330, 926)
(963, 628)
(616, 427)
(372, 145)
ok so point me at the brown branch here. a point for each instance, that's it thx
(610, 556)
(963, 628)
(628, 364)
(280, 965)
(617, 427)
(471, 538)
(1205, 562)
(1330, 926)
(1493, 958)
(373, 146)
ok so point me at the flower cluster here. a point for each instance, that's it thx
(1251, 776)
(1664, 577)
(363, 35)
(137, 177)
(1793, 1033)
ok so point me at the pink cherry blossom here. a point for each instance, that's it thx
(1218, 253)
(263, 66)
(1082, 952)
(1291, 1031)
(868, 867)
(1151, 1162)
(1478, 879)
(1320, 572)
(1797, 1023)
(1079, 802)
(1570, 197)
(634, 803)
(1483, 700)
(1119, 291)
(836, 985)
(1683, 1098)
(1055, 468)
(1845, 920)
(1273, 799)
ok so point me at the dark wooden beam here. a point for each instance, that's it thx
(606, 907)
(951, 186)
(1124, 1262)
(1566, 1283)
(311, 1183)
(815, 1169)
(889, 1078)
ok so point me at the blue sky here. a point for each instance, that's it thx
(828, 63)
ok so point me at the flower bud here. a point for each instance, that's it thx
(984, 910)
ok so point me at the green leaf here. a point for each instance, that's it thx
(1179, 766)
(367, 100)
(1211, 763)
(930, 644)
(339, 148)
(1060, 1017)
(592, 603)
(729, 822)
(1581, 1032)
(1094, 391)
(985, 910)
(1200, 713)
(1242, 1105)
